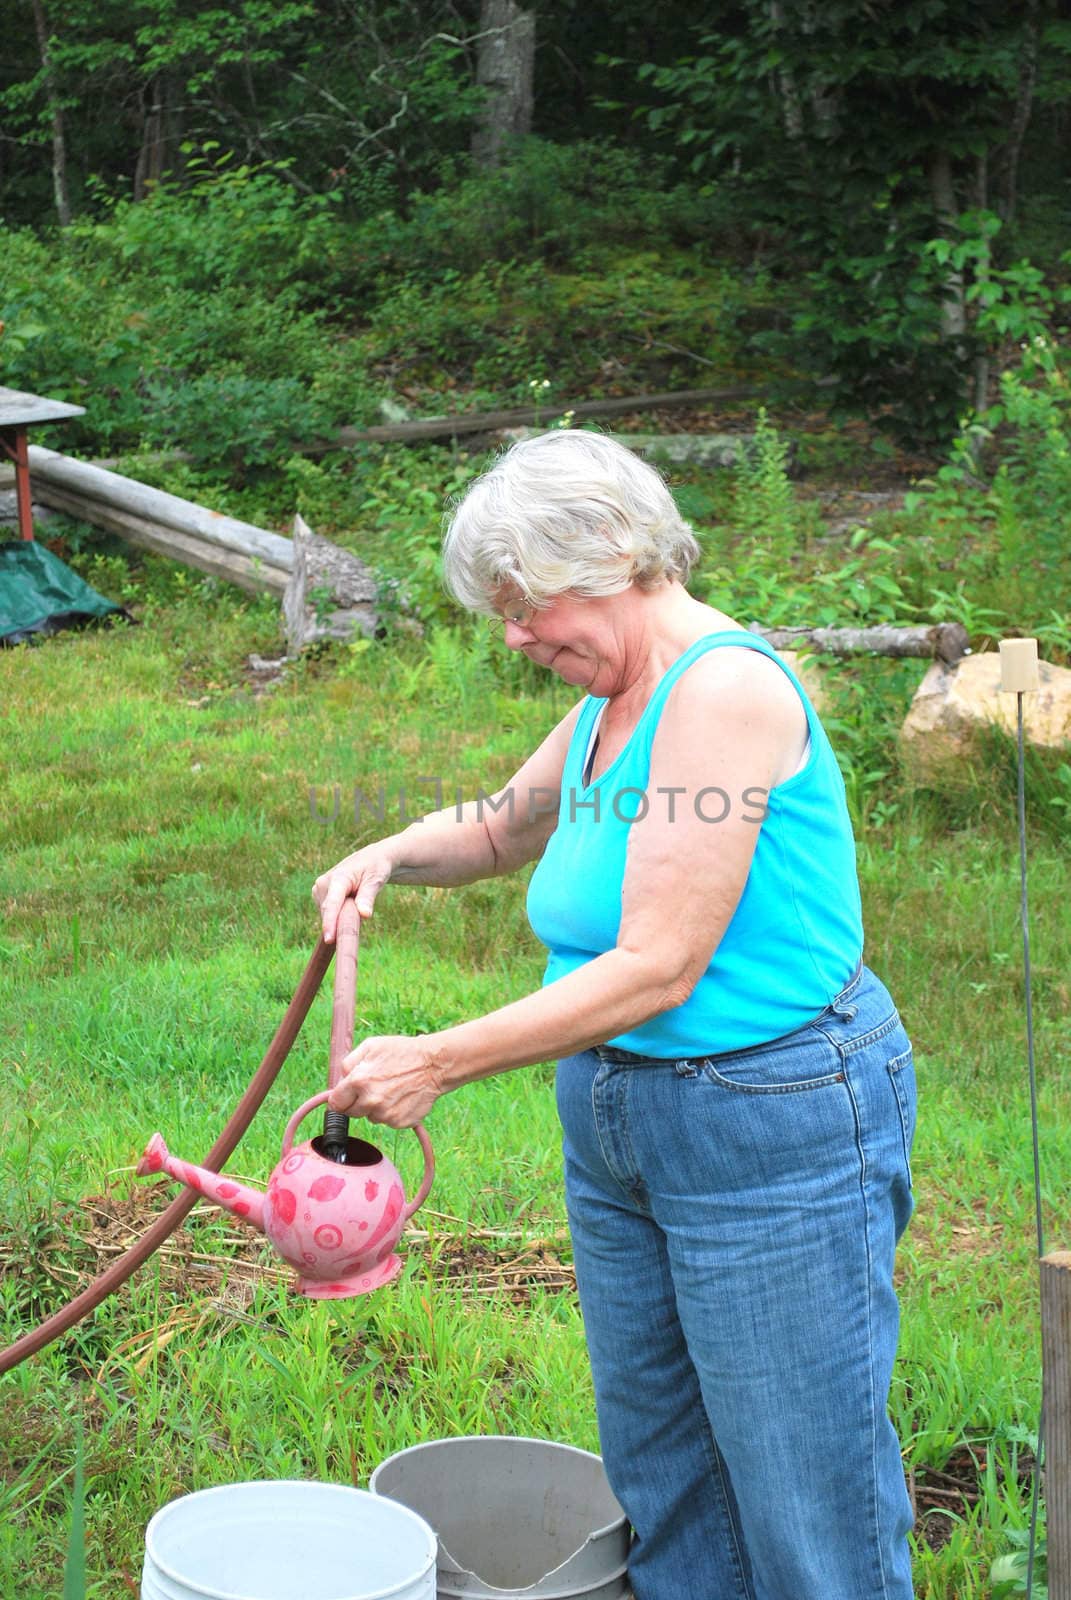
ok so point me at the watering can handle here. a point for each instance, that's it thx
(420, 1131)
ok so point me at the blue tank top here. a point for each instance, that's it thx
(796, 936)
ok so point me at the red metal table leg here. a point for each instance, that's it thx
(14, 443)
(22, 484)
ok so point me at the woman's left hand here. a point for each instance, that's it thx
(392, 1079)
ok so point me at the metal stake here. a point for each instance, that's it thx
(1019, 675)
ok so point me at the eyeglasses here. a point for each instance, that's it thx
(520, 612)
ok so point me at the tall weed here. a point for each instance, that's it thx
(997, 513)
(765, 507)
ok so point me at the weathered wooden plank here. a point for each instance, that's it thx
(318, 563)
(52, 471)
(248, 572)
(19, 409)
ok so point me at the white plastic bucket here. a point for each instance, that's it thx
(514, 1517)
(287, 1541)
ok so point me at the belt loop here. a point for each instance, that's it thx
(839, 1004)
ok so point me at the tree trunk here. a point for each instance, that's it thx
(504, 70)
(953, 305)
(979, 199)
(1024, 101)
(791, 110)
(156, 137)
(979, 182)
(975, 376)
(59, 143)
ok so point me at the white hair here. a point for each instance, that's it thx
(565, 511)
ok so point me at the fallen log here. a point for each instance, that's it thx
(523, 416)
(945, 641)
(251, 573)
(54, 473)
(327, 592)
(711, 450)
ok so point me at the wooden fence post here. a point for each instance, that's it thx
(1056, 1411)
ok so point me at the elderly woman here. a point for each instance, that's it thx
(735, 1087)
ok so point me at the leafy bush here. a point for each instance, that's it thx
(87, 320)
(225, 227)
(545, 202)
(70, 335)
(1032, 484)
(233, 419)
(873, 319)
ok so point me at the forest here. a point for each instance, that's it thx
(241, 236)
(866, 195)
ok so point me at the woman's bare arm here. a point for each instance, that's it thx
(459, 844)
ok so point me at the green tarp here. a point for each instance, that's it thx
(39, 594)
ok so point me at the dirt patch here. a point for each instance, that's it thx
(502, 1264)
(225, 1264)
(941, 1496)
(193, 1261)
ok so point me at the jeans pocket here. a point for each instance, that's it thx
(901, 1072)
(808, 1062)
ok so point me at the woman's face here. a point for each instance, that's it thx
(581, 640)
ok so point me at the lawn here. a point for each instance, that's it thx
(163, 818)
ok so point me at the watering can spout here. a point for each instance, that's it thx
(221, 1191)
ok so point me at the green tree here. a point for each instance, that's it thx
(331, 90)
(853, 139)
(130, 82)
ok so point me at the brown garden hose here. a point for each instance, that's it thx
(224, 1147)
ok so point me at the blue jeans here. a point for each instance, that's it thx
(734, 1221)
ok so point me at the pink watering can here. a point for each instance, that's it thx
(335, 1207)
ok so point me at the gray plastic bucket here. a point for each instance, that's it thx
(514, 1517)
(287, 1541)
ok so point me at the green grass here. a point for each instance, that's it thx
(156, 854)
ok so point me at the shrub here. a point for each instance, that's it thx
(546, 202)
(232, 419)
(85, 322)
(226, 227)
(1004, 539)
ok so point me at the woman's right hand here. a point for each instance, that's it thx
(360, 876)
